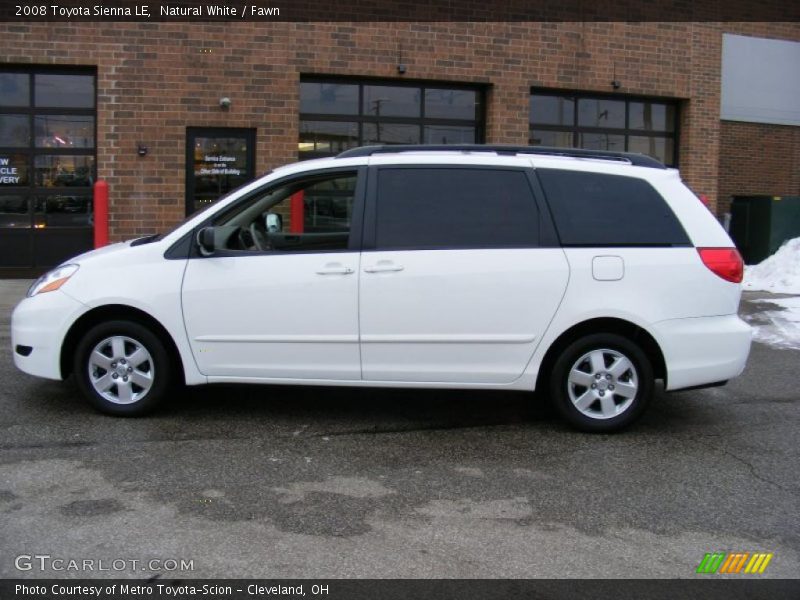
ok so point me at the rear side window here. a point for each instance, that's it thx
(592, 209)
(440, 208)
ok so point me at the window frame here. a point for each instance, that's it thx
(31, 151)
(360, 119)
(354, 242)
(549, 200)
(546, 231)
(627, 132)
(249, 134)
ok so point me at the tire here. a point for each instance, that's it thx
(122, 368)
(611, 401)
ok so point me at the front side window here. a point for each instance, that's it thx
(444, 208)
(593, 209)
(306, 215)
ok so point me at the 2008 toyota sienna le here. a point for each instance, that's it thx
(589, 275)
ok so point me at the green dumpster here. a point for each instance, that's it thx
(760, 224)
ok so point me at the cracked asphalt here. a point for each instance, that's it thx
(312, 482)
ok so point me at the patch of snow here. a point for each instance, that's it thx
(779, 274)
(780, 328)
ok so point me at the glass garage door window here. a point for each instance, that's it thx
(47, 164)
(626, 124)
(339, 114)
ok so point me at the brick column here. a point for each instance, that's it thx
(507, 113)
(700, 122)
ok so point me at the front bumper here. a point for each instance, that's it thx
(41, 324)
(703, 350)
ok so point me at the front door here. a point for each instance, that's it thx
(279, 297)
(458, 288)
(218, 160)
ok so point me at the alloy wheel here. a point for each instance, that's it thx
(602, 383)
(121, 369)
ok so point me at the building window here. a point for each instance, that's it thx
(47, 164)
(631, 124)
(337, 114)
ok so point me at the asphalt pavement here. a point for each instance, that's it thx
(312, 482)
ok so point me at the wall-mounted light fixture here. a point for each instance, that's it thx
(224, 103)
(141, 150)
(401, 66)
(615, 83)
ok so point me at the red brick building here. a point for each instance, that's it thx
(172, 114)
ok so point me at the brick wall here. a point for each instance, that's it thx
(758, 159)
(155, 79)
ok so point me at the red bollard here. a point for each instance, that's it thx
(100, 213)
(297, 212)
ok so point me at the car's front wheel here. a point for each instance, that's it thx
(122, 367)
(602, 382)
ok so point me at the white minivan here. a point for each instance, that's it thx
(587, 275)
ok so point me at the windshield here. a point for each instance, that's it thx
(154, 237)
(186, 219)
(158, 236)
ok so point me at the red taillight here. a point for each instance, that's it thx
(725, 262)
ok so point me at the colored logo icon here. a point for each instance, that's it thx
(734, 562)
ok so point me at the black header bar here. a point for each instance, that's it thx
(390, 10)
(698, 588)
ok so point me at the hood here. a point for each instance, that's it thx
(105, 250)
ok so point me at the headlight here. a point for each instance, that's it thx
(52, 280)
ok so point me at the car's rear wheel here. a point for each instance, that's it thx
(123, 368)
(602, 382)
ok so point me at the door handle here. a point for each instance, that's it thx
(335, 270)
(384, 267)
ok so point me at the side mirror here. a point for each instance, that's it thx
(274, 223)
(205, 241)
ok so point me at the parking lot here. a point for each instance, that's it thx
(312, 482)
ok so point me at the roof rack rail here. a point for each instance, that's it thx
(632, 158)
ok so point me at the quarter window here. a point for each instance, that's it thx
(592, 209)
(442, 208)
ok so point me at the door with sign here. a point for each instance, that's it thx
(218, 160)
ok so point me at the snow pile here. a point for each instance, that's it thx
(780, 328)
(779, 274)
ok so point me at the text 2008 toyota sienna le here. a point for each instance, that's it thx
(584, 274)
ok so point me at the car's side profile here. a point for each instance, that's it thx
(587, 275)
